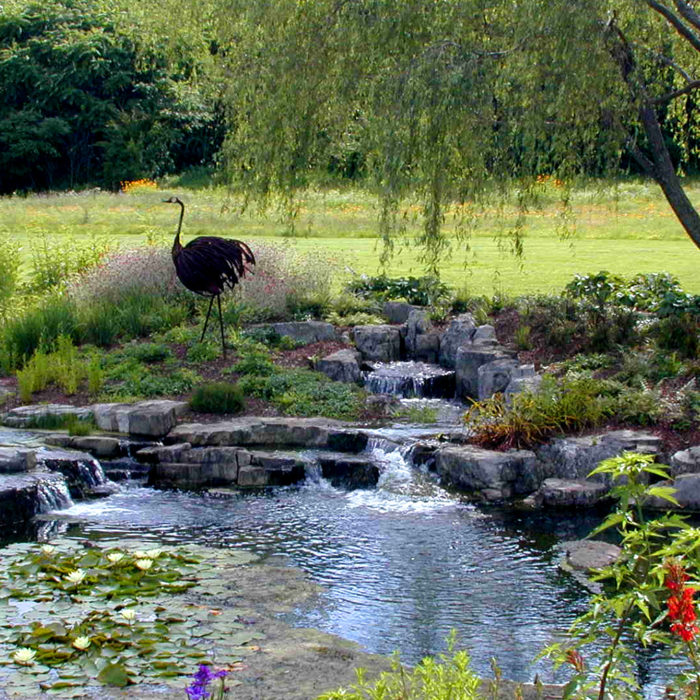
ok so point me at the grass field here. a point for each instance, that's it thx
(624, 229)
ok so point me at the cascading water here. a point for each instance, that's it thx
(410, 380)
(52, 495)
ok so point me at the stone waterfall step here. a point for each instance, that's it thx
(409, 380)
(22, 496)
(185, 466)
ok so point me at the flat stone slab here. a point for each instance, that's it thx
(28, 416)
(14, 459)
(101, 446)
(152, 419)
(579, 493)
(282, 432)
(588, 555)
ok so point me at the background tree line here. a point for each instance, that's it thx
(452, 102)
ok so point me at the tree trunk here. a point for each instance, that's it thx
(664, 173)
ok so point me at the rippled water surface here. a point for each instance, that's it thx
(402, 565)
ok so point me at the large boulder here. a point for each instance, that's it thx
(302, 332)
(348, 472)
(341, 366)
(146, 418)
(577, 457)
(485, 335)
(378, 343)
(577, 493)
(398, 311)
(22, 496)
(522, 378)
(686, 461)
(422, 343)
(686, 491)
(469, 359)
(489, 473)
(494, 377)
(458, 333)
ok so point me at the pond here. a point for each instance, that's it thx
(401, 565)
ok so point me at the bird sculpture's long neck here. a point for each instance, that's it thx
(177, 246)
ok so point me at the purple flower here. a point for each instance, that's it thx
(201, 679)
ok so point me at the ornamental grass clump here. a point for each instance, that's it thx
(283, 280)
(218, 397)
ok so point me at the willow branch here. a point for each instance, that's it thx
(676, 23)
(677, 93)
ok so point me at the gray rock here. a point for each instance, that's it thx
(469, 359)
(341, 366)
(303, 332)
(82, 472)
(26, 416)
(473, 469)
(145, 418)
(589, 555)
(22, 496)
(494, 377)
(523, 378)
(686, 492)
(253, 477)
(349, 472)
(417, 325)
(579, 493)
(686, 461)
(378, 343)
(251, 431)
(485, 335)
(458, 333)
(13, 459)
(398, 311)
(427, 347)
(577, 457)
(98, 445)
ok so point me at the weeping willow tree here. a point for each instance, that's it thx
(455, 102)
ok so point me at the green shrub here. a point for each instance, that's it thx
(359, 318)
(71, 423)
(640, 407)
(448, 677)
(522, 338)
(301, 392)
(584, 361)
(9, 272)
(219, 397)
(203, 352)
(148, 352)
(423, 291)
(56, 261)
(680, 332)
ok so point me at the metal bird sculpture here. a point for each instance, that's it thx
(208, 265)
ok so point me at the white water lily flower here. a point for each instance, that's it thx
(144, 564)
(75, 577)
(24, 656)
(114, 557)
(153, 553)
(81, 643)
(128, 614)
(48, 549)
(140, 554)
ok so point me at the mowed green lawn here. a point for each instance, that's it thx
(626, 229)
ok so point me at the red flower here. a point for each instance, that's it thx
(681, 607)
(574, 658)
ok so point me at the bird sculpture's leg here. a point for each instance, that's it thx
(206, 321)
(221, 324)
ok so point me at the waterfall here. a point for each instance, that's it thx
(51, 495)
(410, 380)
(91, 472)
